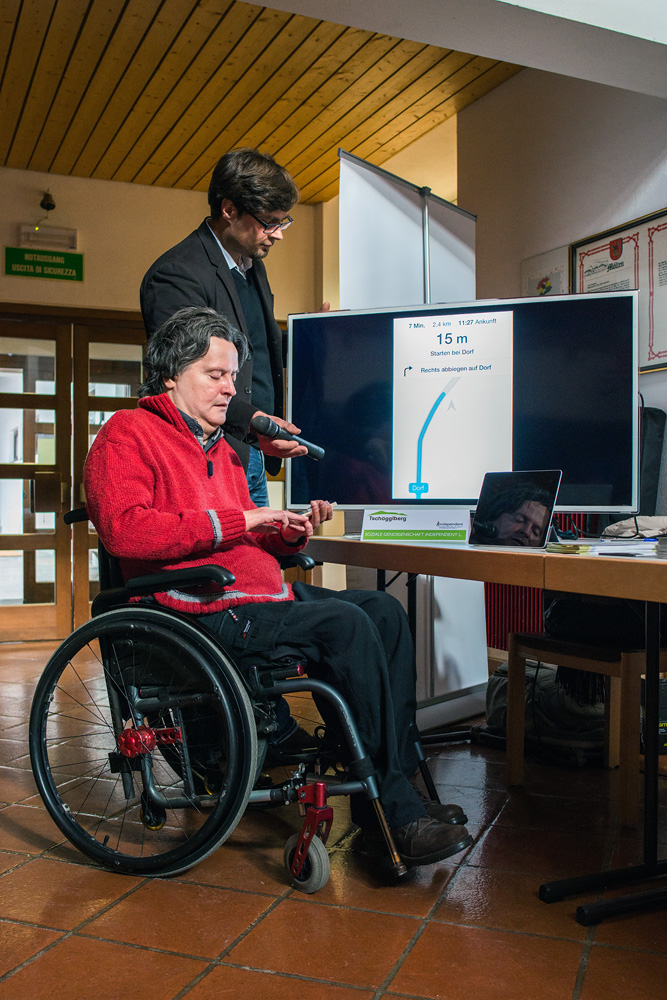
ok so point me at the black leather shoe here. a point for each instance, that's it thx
(427, 840)
(445, 812)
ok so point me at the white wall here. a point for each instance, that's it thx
(544, 161)
(430, 161)
(122, 229)
(514, 34)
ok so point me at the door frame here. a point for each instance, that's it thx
(71, 606)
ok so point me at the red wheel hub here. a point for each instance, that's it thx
(133, 742)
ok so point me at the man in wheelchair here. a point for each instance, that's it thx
(166, 490)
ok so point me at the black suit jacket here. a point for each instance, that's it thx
(193, 273)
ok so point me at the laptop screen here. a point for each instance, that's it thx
(515, 508)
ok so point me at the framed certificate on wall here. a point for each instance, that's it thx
(630, 256)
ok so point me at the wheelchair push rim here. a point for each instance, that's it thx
(143, 741)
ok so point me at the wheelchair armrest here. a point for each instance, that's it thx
(78, 514)
(193, 575)
(146, 586)
(299, 559)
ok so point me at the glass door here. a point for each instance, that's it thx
(106, 377)
(35, 476)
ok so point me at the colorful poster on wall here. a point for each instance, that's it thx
(632, 256)
(546, 273)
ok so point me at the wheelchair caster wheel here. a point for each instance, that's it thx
(152, 816)
(315, 872)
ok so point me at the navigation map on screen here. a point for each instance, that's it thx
(452, 402)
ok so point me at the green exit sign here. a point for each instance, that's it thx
(24, 263)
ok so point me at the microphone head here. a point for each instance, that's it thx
(485, 528)
(263, 425)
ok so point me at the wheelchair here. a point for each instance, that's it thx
(147, 741)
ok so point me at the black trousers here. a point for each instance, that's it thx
(358, 641)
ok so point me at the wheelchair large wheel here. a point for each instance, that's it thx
(143, 741)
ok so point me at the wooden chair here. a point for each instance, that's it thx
(622, 667)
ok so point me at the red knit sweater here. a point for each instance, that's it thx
(155, 505)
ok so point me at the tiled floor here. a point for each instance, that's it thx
(233, 927)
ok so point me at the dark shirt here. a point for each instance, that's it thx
(263, 396)
(198, 431)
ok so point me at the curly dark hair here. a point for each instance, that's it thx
(510, 498)
(253, 182)
(183, 339)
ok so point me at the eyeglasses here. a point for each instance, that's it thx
(273, 227)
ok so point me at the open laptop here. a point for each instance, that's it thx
(515, 508)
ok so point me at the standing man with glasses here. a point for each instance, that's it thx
(221, 266)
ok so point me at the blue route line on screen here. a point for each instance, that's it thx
(419, 487)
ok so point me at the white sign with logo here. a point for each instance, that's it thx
(416, 525)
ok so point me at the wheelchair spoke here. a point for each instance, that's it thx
(143, 741)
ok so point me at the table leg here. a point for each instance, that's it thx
(593, 913)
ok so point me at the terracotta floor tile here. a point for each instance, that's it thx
(462, 772)
(28, 830)
(645, 931)
(20, 943)
(10, 860)
(100, 970)
(460, 963)
(546, 854)
(548, 812)
(236, 865)
(59, 895)
(356, 881)
(326, 942)
(613, 974)
(506, 900)
(580, 782)
(16, 784)
(243, 984)
(18, 731)
(191, 919)
(11, 749)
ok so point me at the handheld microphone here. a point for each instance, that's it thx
(269, 428)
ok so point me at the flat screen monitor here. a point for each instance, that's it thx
(414, 405)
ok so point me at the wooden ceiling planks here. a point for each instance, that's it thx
(159, 36)
(103, 85)
(396, 131)
(264, 79)
(224, 89)
(392, 98)
(154, 91)
(392, 60)
(27, 36)
(144, 125)
(273, 99)
(48, 68)
(327, 99)
(191, 72)
(91, 28)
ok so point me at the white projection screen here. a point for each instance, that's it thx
(382, 242)
(381, 229)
